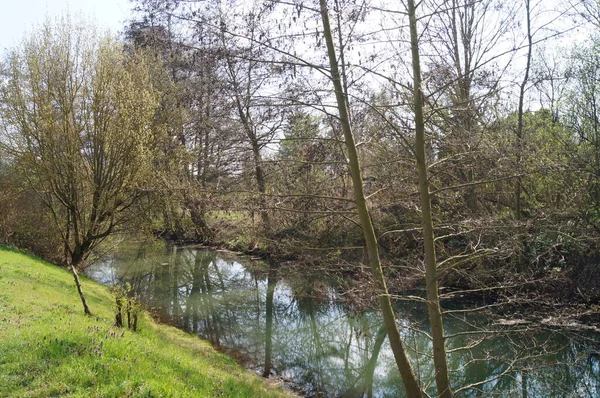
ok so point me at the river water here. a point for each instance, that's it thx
(284, 325)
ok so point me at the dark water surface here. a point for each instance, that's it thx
(299, 330)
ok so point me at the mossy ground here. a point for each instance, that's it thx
(49, 348)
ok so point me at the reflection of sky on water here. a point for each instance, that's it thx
(104, 271)
(324, 347)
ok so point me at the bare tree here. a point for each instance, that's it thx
(431, 273)
(409, 378)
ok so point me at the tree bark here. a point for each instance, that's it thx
(522, 258)
(411, 384)
(518, 211)
(86, 309)
(262, 187)
(433, 299)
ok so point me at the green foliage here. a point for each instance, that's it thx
(548, 153)
(301, 131)
(127, 307)
(49, 348)
(582, 116)
(86, 150)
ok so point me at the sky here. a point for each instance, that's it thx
(20, 16)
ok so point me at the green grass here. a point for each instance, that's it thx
(49, 348)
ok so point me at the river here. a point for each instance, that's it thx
(298, 329)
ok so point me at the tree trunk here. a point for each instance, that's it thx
(77, 256)
(411, 384)
(433, 299)
(522, 258)
(262, 187)
(518, 211)
(86, 309)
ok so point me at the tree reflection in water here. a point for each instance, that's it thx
(297, 328)
(271, 283)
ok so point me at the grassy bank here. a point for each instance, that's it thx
(49, 348)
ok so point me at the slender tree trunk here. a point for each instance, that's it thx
(518, 211)
(86, 309)
(411, 384)
(433, 299)
(522, 259)
(243, 108)
(262, 187)
(77, 256)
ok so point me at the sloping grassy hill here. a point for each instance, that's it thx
(49, 348)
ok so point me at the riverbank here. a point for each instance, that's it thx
(550, 300)
(552, 275)
(322, 337)
(50, 348)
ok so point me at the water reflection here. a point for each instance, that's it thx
(297, 329)
(271, 283)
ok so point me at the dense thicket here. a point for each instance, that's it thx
(261, 163)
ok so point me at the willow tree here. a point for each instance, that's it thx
(76, 113)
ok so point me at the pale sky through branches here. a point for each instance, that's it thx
(20, 16)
